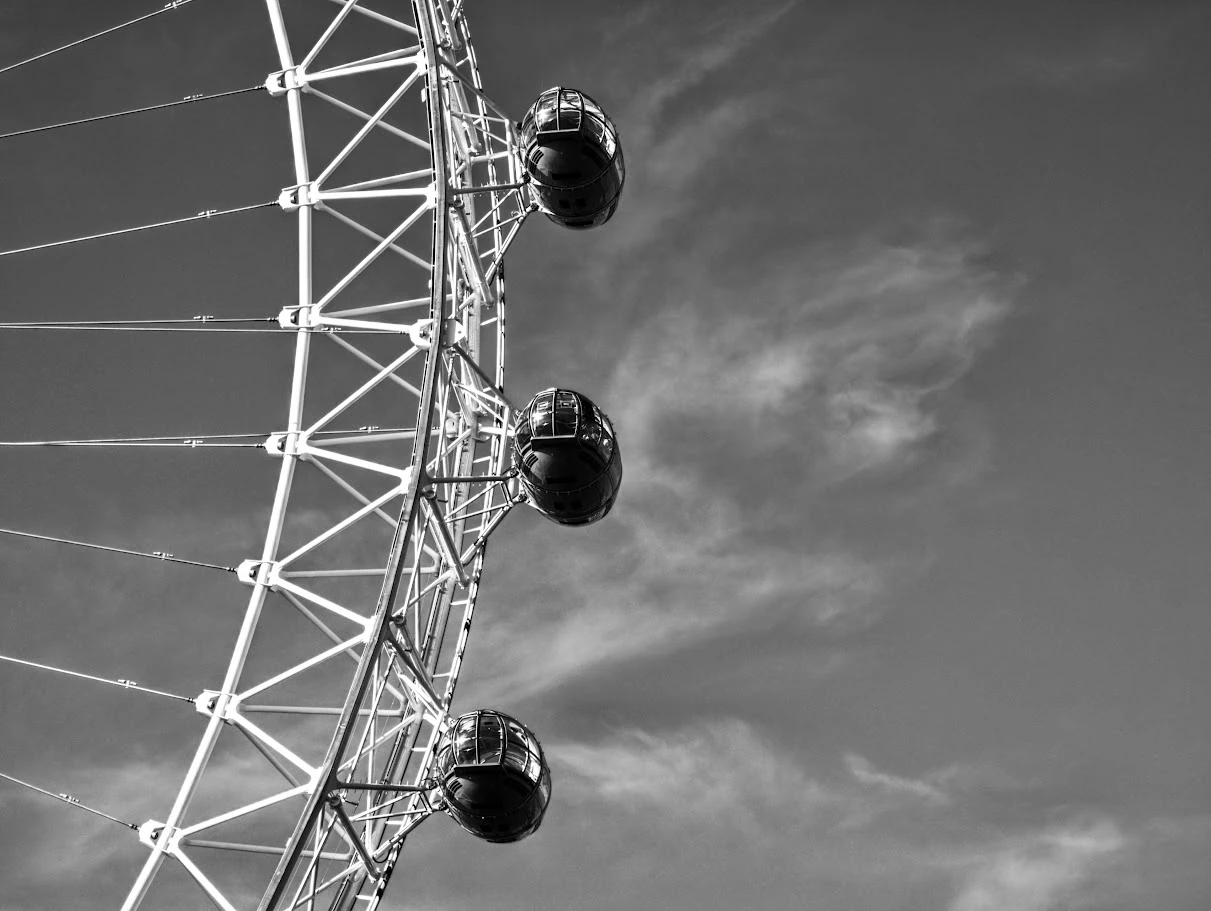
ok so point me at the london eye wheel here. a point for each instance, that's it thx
(397, 455)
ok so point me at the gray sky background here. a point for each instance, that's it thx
(903, 321)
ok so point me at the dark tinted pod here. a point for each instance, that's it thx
(573, 157)
(567, 457)
(493, 776)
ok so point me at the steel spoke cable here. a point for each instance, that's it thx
(194, 324)
(176, 444)
(200, 440)
(182, 438)
(70, 801)
(191, 99)
(43, 326)
(164, 9)
(152, 555)
(327, 330)
(138, 322)
(125, 684)
(209, 213)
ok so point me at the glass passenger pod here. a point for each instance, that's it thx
(493, 776)
(573, 158)
(567, 457)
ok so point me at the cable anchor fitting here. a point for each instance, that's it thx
(298, 317)
(282, 81)
(216, 704)
(156, 834)
(249, 572)
(293, 198)
(282, 444)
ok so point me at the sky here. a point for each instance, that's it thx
(902, 321)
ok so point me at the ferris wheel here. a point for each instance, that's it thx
(375, 542)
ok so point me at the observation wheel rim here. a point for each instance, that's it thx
(478, 197)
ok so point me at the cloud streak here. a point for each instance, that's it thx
(1042, 870)
(864, 772)
(732, 425)
(718, 768)
(721, 784)
(721, 773)
(846, 360)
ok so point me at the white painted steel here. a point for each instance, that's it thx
(416, 504)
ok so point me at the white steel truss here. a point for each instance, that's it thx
(384, 565)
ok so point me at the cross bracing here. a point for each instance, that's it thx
(376, 538)
(405, 201)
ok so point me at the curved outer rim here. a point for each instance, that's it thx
(450, 370)
(424, 424)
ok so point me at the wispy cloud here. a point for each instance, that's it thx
(1043, 870)
(1099, 58)
(926, 789)
(721, 772)
(672, 137)
(1088, 53)
(732, 423)
(694, 52)
(844, 357)
(717, 769)
(674, 593)
(710, 780)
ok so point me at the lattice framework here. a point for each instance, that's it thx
(338, 808)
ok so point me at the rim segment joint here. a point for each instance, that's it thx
(158, 836)
(453, 332)
(291, 199)
(250, 572)
(213, 703)
(282, 81)
(283, 444)
(296, 316)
